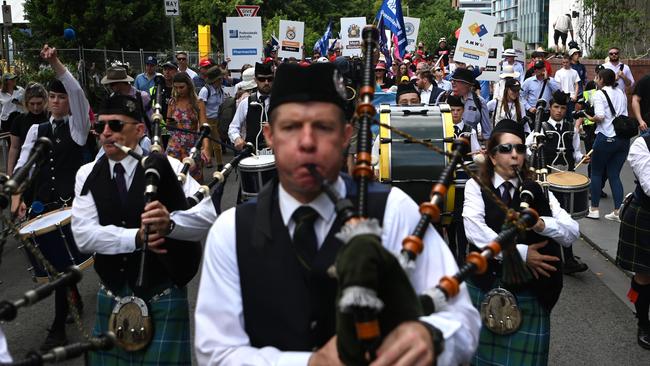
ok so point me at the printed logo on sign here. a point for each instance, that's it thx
(472, 56)
(291, 32)
(234, 33)
(244, 52)
(409, 28)
(354, 31)
(478, 30)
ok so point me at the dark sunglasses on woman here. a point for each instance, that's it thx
(507, 148)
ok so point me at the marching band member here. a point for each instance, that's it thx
(460, 127)
(528, 344)
(106, 220)
(266, 260)
(68, 129)
(634, 243)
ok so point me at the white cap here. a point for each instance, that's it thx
(322, 59)
(509, 52)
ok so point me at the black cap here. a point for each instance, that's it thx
(512, 82)
(463, 75)
(122, 104)
(405, 88)
(56, 86)
(319, 82)
(455, 101)
(263, 69)
(560, 97)
(539, 65)
(510, 126)
(171, 65)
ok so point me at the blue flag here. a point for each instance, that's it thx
(391, 15)
(323, 43)
(383, 44)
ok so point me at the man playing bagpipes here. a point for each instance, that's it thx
(267, 295)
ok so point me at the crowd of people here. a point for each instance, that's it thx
(268, 260)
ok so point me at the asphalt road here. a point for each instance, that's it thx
(591, 324)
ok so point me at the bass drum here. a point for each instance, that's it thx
(413, 167)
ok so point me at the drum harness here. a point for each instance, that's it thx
(560, 149)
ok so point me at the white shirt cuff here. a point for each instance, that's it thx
(523, 251)
(127, 240)
(294, 358)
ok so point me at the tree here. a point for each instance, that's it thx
(110, 24)
(438, 20)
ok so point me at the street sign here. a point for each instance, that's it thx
(171, 8)
(6, 14)
(247, 10)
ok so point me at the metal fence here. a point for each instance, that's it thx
(101, 59)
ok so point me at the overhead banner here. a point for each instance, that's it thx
(520, 50)
(292, 35)
(412, 27)
(493, 68)
(351, 41)
(475, 38)
(244, 40)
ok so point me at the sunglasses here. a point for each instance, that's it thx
(181, 58)
(262, 79)
(115, 125)
(613, 53)
(507, 148)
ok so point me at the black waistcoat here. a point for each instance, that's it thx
(285, 307)
(118, 270)
(547, 289)
(466, 132)
(253, 120)
(56, 176)
(553, 142)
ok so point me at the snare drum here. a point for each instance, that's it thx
(572, 191)
(254, 172)
(51, 234)
(413, 167)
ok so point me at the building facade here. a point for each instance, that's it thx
(479, 6)
(533, 19)
(507, 14)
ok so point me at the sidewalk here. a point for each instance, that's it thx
(602, 234)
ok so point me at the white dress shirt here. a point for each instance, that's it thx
(89, 235)
(601, 108)
(8, 105)
(510, 113)
(425, 94)
(559, 227)
(78, 120)
(639, 159)
(575, 141)
(443, 84)
(237, 127)
(220, 336)
(193, 224)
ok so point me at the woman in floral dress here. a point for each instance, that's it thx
(187, 110)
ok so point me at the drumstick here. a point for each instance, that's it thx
(583, 159)
(554, 168)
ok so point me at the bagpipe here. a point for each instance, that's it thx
(375, 294)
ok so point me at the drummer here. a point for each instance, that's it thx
(462, 129)
(561, 149)
(562, 144)
(68, 128)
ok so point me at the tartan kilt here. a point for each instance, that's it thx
(634, 239)
(528, 346)
(170, 343)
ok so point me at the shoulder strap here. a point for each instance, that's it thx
(609, 101)
(477, 102)
(647, 141)
(541, 92)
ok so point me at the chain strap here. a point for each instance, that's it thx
(53, 273)
(511, 214)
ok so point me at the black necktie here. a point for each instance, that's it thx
(456, 131)
(118, 172)
(505, 195)
(262, 99)
(304, 235)
(57, 123)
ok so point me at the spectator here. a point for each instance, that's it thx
(10, 98)
(213, 95)
(623, 73)
(641, 103)
(538, 86)
(508, 104)
(440, 81)
(35, 103)
(609, 150)
(429, 90)
(561, 27)
(538, 55)
(442, 51)
(145, 81)
(575, 55)
(510, 64)
(380, 76)
(569, 81)
(507, 71)
(181, 58)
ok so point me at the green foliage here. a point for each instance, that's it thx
(618, 23)
(438, 19)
